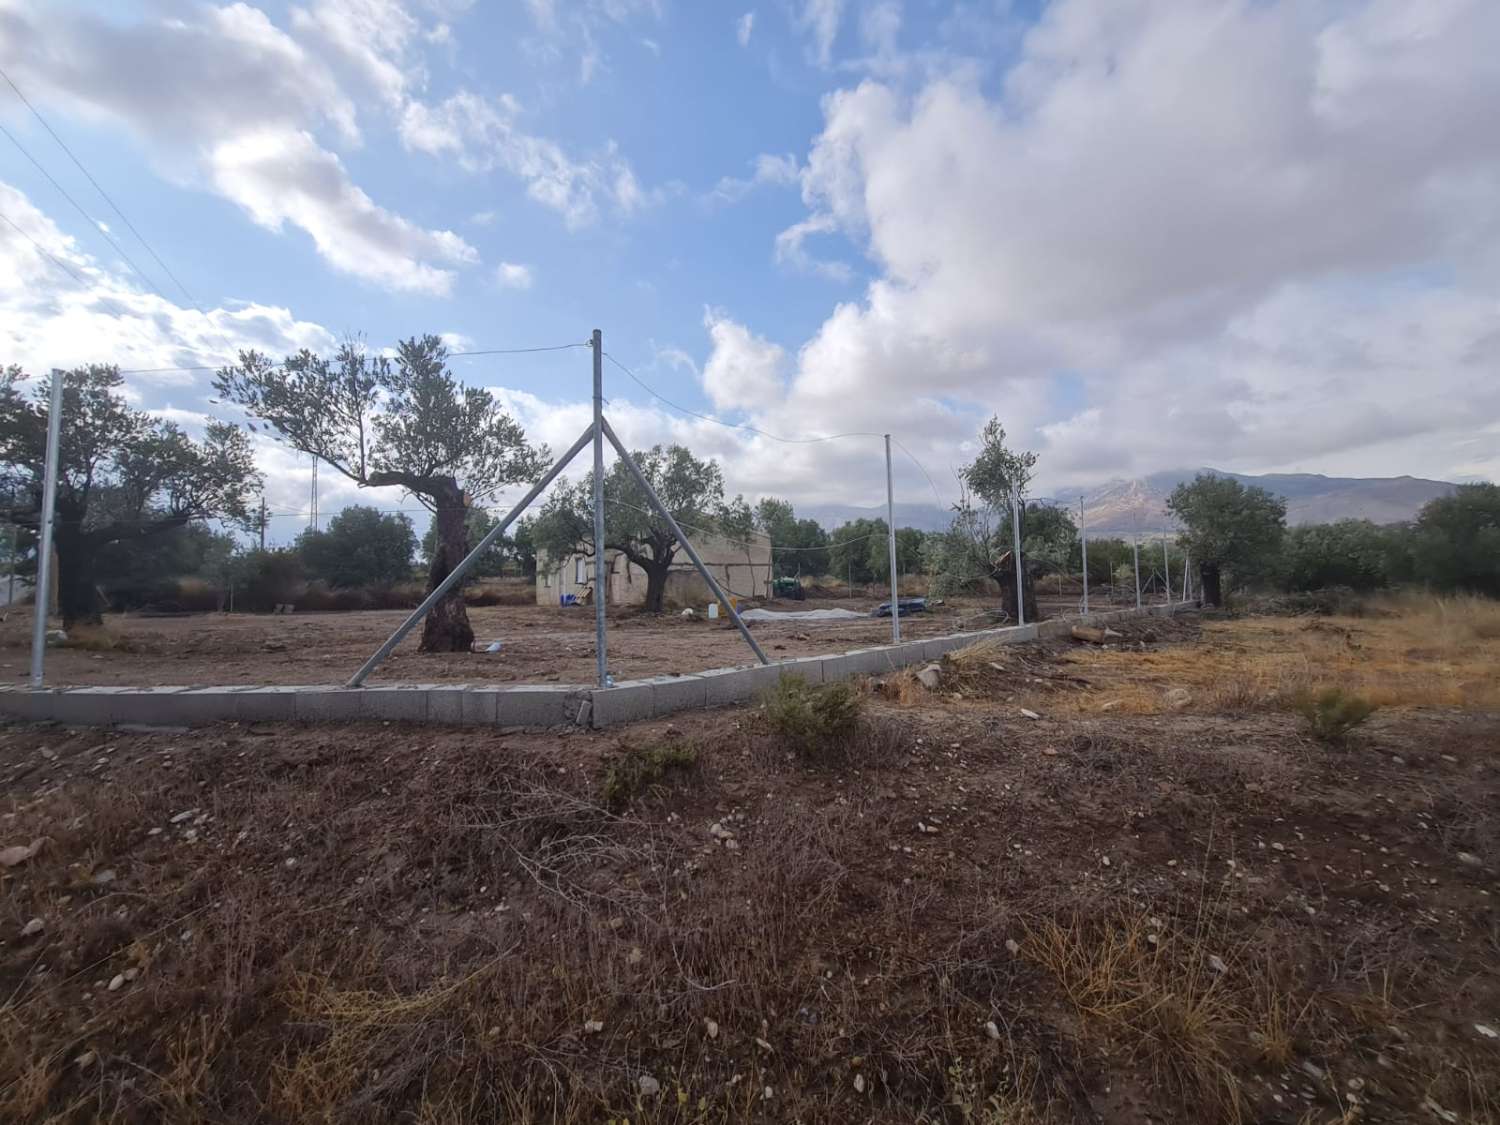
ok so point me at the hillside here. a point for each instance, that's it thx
(1120, 506)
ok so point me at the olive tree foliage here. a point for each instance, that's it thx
(123, 473)
(1230, 527)
(977, 545)
(403, 421)
(798, 546)
(1456, 540)
(691, 489)
(361, 547)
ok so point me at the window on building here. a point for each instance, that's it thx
(579, 574)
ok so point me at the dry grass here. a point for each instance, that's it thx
(1402, 651)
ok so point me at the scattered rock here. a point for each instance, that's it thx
(116, 981)
(991, 1030)
(184, 815)
(591, 1027)
(1012, 946)
(33, 927)
(1111, 705)
(1469, 859)
(1487, 1031)
(719, 832)
(1216, 963)
(1177, 698)
(104, 878)
(859, 1083)
(1443, 1114)
(131, 974)
(711, 1028)
(731, 845)
(931, 677)
(649, 1086)
(20, 853)
(1032, 715)
(85, 1060)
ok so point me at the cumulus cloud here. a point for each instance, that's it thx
(743, 370)
(743, 28)
(1254, 236)
(513, 275)
(768, 169)
(820, 19)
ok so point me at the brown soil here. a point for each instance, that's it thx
(960, 915)
(540, 644)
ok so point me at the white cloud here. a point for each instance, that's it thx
(513, 275)
(743, 28)
(743, 370)
(371, 37)
(820, 19)
(791, 251)
(778, 171)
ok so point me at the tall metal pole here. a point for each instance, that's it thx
(262, 521)
(890, 519)
(1083, 539)
(1135, 550)
(1015, 532)
(601, 577)
(661, 509)
(44, 547)
(456, 575)
(1166, 565)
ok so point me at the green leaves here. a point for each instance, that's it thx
(1227, 523)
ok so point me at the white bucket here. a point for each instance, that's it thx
(713, 611)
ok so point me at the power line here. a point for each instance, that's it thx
(103, 194)
(921, 466)
(87, 218)
(451, 355)
(45, 252)
(730, 425)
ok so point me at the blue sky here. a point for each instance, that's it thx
(1147, 234)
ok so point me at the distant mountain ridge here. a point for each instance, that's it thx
(1120, 506)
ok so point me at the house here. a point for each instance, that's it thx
(743, 569)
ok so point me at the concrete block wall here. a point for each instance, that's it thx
(520, 705)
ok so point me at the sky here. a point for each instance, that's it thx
(1261, 235)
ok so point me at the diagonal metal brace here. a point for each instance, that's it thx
(661, 510)
(456, 575)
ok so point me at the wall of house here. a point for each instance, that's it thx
(743, 572)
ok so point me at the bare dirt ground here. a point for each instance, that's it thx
(1160, 900)
(541, 644)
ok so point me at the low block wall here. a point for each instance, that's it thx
(521, 705)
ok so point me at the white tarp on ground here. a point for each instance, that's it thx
(803, 615)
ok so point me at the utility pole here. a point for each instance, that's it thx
(1083, 539)
(44, 547)
(601, 655)
(1015, 534)
(890, 519)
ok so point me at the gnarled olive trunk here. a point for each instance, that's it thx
(1212, 585)
(447, 627)
(656, 585)
(77, 595)
(1006, 576)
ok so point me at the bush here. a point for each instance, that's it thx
(268, 579)
(638, 770)
(813, 721)
(1333, 712)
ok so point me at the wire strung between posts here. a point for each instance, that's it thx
(746, 542)
(69, 270)
(278, 366)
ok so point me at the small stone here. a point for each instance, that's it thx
(116, 981)
(1355, 1085)
(33, 927)
(85, 1060)
(1487, 1031)
(991, 1030)
(1469, 859)
(731, 845)
(649, 1086)
(131, 974)
(859, 1083)
(291, 861)
(591, 1027)
(104, 878)
(635, 956)
(931, 677)
(1032, 715)
(1278, 847)
(1111, 705)
(1216, 963)
(1105, 861)
(1012, 946)
(711, 1029)
(1177, 698)
(180, 817)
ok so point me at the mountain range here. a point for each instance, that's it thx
(1120, 506)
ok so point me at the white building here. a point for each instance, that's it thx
(742, 569)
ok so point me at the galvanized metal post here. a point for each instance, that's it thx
(1135, 549)
(601, 576)
(455, 576)
(1166, 565)
(44, 547)
(1083, 539)
(661, 509)
(890, 519)
(1015, 532)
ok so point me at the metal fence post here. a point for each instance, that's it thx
(890, 519)
(601, 580)
(43, 586)
(1015, 531)
(1083, 539)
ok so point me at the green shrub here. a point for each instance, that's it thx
(813, 721)
(1333, 712)
(639, 769)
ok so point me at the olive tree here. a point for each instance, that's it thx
(401, 421)
(123, 474)
(1228, 526)
(692, 490)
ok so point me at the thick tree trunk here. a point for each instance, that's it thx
(447, 627)
(1006, 576)
(1212, 588)
(656, 586)
(77, 595)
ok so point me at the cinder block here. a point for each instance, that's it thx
(328, 704)
(677, 693)
(541, 705)
(276, 704)
(89, 706)
(480, 707)
(397, 702)
(727, 685)
(810, 668)
(939, 647)
(26, 704)
(445, 704)
(1054, 627)
(869, 661)
(626, 702)
(835, 668)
